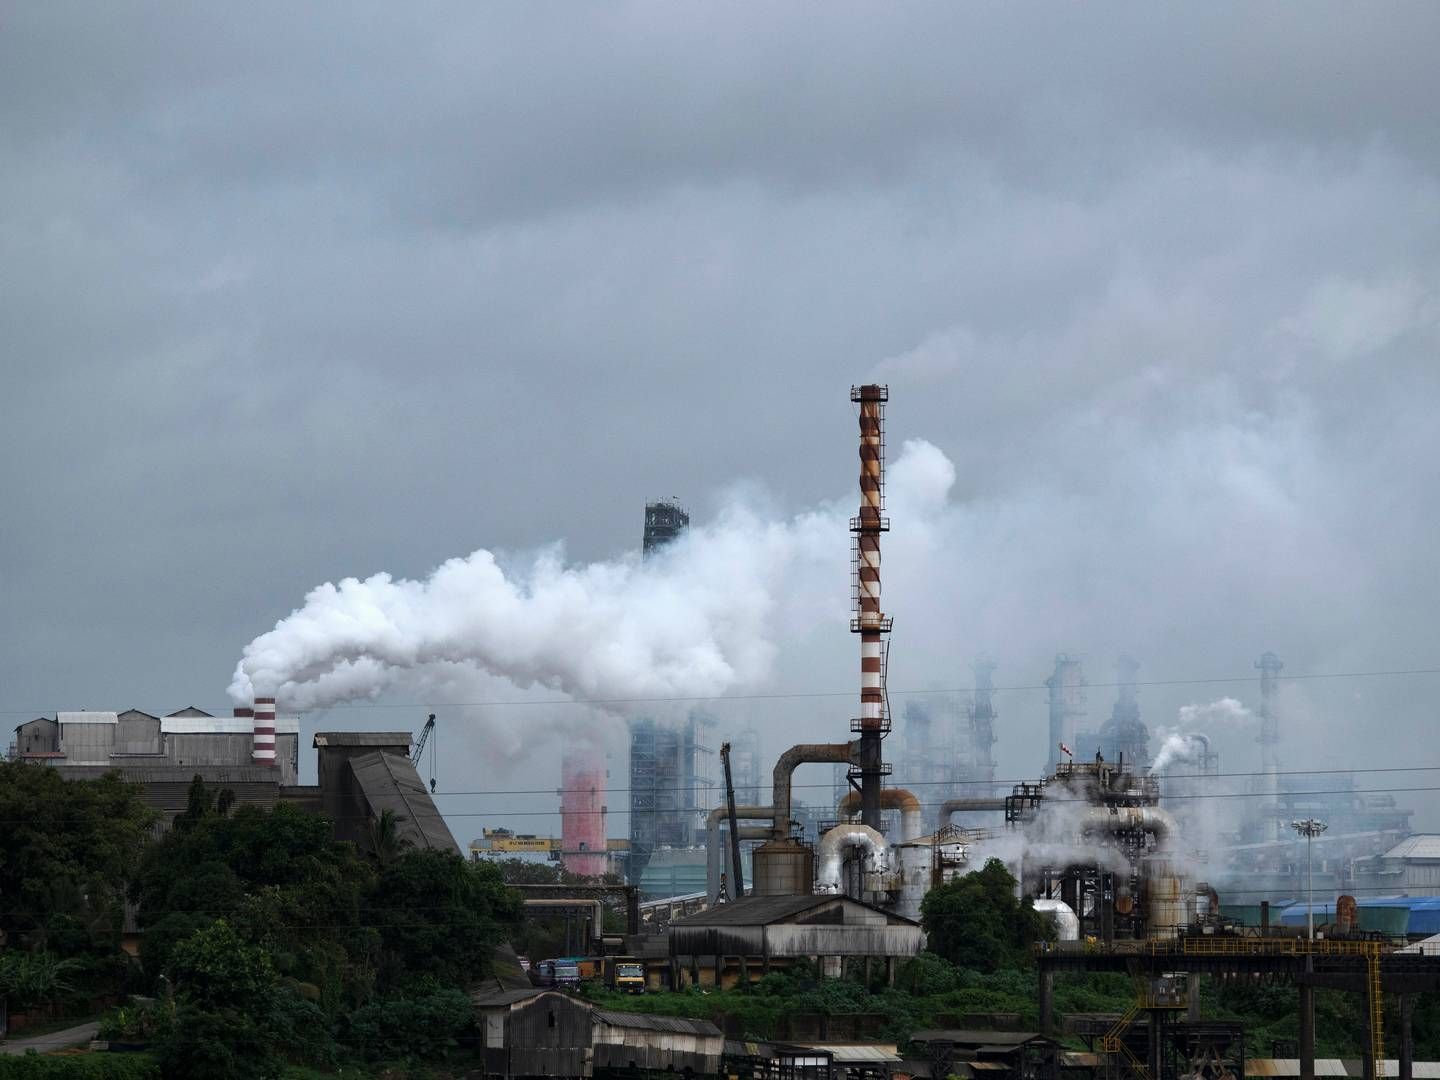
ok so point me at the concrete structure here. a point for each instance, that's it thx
(582, 811)
(742, 940)
(536, 1032)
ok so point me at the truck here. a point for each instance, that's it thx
(628, 976)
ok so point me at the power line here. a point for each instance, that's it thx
(803, 694)
(965, 783)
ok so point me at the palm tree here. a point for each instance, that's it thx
(386, 842)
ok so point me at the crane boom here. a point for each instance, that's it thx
(424, 737)
(736, 879)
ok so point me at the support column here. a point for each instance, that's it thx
(1047, 999)
(1307, 1007)
(1407, 1043)
(1192, 995)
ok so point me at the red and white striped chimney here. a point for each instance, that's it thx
(870, 622)
(264, 752)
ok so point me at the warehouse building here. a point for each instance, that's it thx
(746, 939)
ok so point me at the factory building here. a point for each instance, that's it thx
(746, 939)
(253, 754)
(1409, 868)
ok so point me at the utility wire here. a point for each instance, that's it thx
(801, 694)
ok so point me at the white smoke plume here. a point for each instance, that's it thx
(699, 619)
(1178, 746)
(1224, 711)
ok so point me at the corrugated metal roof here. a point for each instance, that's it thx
(1419, 846)
(976, 1037)
(843, 1052)
(224, 725)
(189, 710)
(362, 738)
(87, 717)
(499, 998)
(390, 782)
(763, 910)
(650, 1022)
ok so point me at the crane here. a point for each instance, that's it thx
(420, 748)
(736, 881)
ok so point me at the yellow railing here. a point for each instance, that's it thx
(1113, 1041)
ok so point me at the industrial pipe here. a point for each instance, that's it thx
(1061, 916)
(847, 753)
(1149, 819)
(911, 822)
(831, 860)
(714, 851)
(960, 806)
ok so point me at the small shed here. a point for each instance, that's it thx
(542, 1032)
(744, 939)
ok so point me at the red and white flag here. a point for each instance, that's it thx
(1066, 751)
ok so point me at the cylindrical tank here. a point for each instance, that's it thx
(782, 868)
(1165, 906)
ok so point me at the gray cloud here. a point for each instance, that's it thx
(294, 294)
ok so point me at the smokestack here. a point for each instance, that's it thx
(982, 724)
(1270, 668)
(264, 752)
(582, 812)
(869, 621)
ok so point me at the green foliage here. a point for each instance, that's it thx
(79, 1067)
(442, 916)
(214, 968)
(281, 880)
(141, 1022)
(66, 853)
(421, 1024)
(29, 979)
(976, 922)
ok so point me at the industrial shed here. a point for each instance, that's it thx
(998, 1055)
(745, 939)
(364, 773)
(539, 1032)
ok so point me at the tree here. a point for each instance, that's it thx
(976, 922)
(279, 877)
(442, 916)
(386, 842)
(30, 979)
(75, 839)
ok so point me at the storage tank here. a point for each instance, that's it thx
(783, 868)
(1165, 897)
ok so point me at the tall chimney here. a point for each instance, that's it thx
(869, 621)
(1270, 667)
(264, 752)
(1067, 707)
(583, 847)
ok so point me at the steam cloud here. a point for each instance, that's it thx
(697, 620)
(1178, 747)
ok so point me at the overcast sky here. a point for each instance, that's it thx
(295, 292)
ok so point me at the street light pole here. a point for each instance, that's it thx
(1310, 828)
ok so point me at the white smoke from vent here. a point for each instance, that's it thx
(698, 619)
(1178, 747)
(1180, 744)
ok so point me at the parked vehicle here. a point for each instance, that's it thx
(628, 976)
(562, 973)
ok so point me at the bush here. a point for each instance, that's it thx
(79, 1067)
(423, 1023)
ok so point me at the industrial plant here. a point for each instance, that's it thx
(726, 877)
